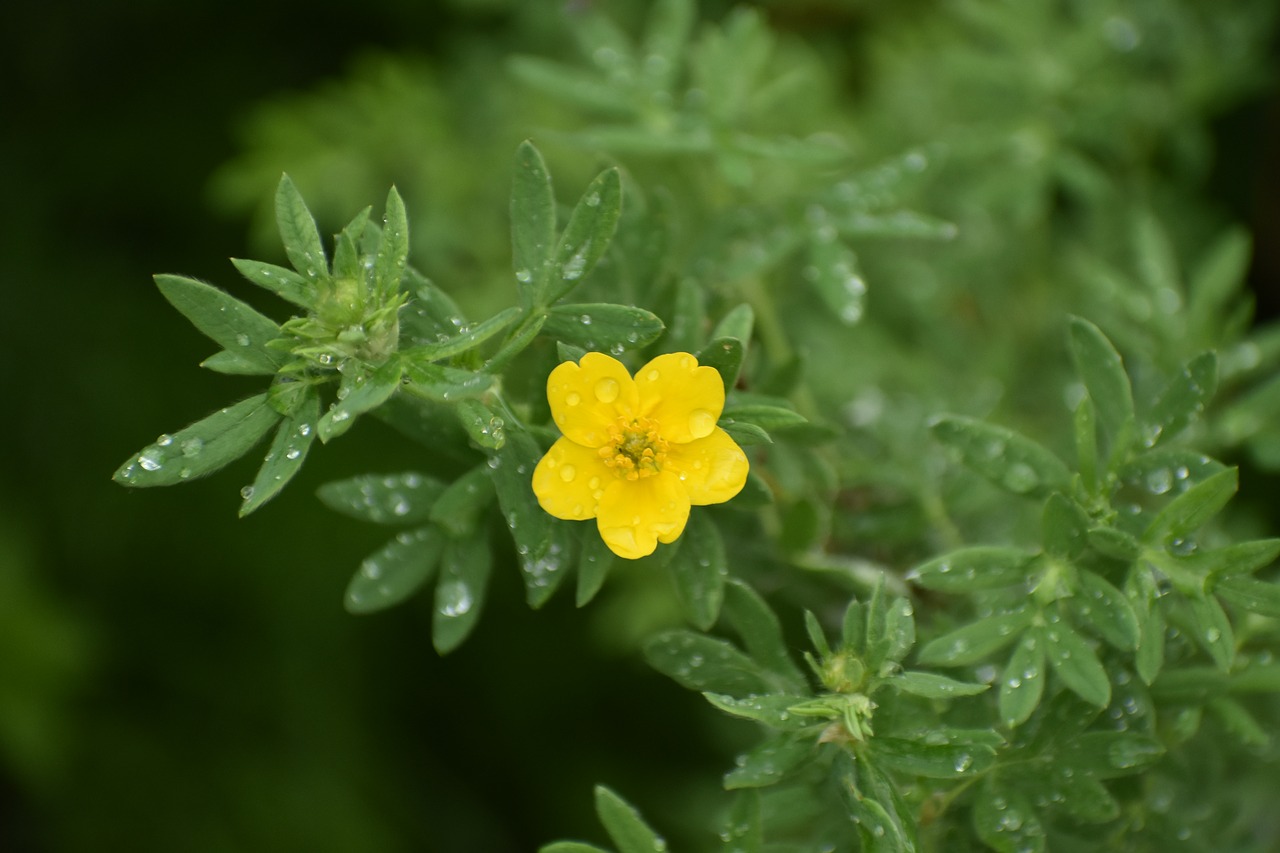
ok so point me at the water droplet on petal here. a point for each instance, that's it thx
(701, 423)
(652, 375)
(572, 398)
(607, 390)
(568, 473)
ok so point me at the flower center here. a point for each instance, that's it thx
(635, 449)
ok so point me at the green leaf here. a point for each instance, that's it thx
(1183, 399)
(1102, 607)
(595, 560)
(441, 384)
(515, 344)
(666, 38)
(899, 634)
(699, 568)
(394, 572)
(298, 232)
(1083, 797)
(1004, 457)
(1191, 509)
(288, 451)
(429, 314)
(931, 686)
(459, 506)
(1242, 558)
(772, 709)
(976, 641)
(1114, 543)
(228, 321)
(688, 316)
(225, 361)
(603, 326)
(934, 761)
(572, 85)
(974, 568)
(752, 619)
(393, 250)
(1084, 421)
(1022, 683)
(1156, 259)
(1236, 719)
(1102, 371)
(533, 221)
(1216, 280)
(1005, 819)
(483, 426)
(570, 847)
(625, 826)
(1213, 631)
(283, 282)
(201, 448)
(771, 761)
(705, 664)
(1109, 755)
(359, 393)
(468, 339)
(725, 355)
(769, 418)
(745, 434)
(737, 324)
(587, 236)
(460, 591)
(543, 544)
(743, 830)
(1140, 588)
(1076, 663)
(1251, 594)
(833, 270)
(405, 498)
(875, 787)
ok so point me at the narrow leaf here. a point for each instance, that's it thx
(699, 569)
(298, 232)
(394, 572)
(460, 591)
(976, 641)
(1254, 595)
(1183, 399)
(931, 686)
(587, 236)
(283, 282)
(533, 220)
(975, 568)
(1004, 457)
(604, 326)
(595, 560)
(705, 664)
(458, 507)
(393, 251)
(1102, 371)
(1191, 509)
(359, 393)
(405, 498)
(201, 448)
(624, 824)
(1076, 663)
(288, 451)
(228, 321)
(1105, 609)
(750, 616)
(1022, 683)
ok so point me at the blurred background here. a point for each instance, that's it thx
(172, 678)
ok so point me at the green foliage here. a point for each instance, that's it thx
(977, 379)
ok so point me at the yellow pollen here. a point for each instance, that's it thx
(635, 448)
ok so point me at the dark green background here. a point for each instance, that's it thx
(172, 678)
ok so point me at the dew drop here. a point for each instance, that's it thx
(701, 423)
(573, 398)
(150, 462)
(164, 440)
(247, 492)
(607, 390)
(652, 375)
(294, 453)
(568, 473)
(192, 447)
(242, 339)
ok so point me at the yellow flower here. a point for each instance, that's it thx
(637, 453)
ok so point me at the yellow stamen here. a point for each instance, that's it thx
(635, 448)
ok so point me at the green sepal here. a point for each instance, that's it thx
(348, 262)
(201, 448)
(699, 569)
(228, 321)
(394, 572)
(603, 326)
(460, 591)
(282, 281)
(294, 437)
(625, 826)
(1006, 458)
(404, 498)
(298, 232)
(587, 235)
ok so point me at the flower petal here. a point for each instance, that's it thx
(570, 480)
(684, 398)
(587, 398)
(635, 515)
(713, 469)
